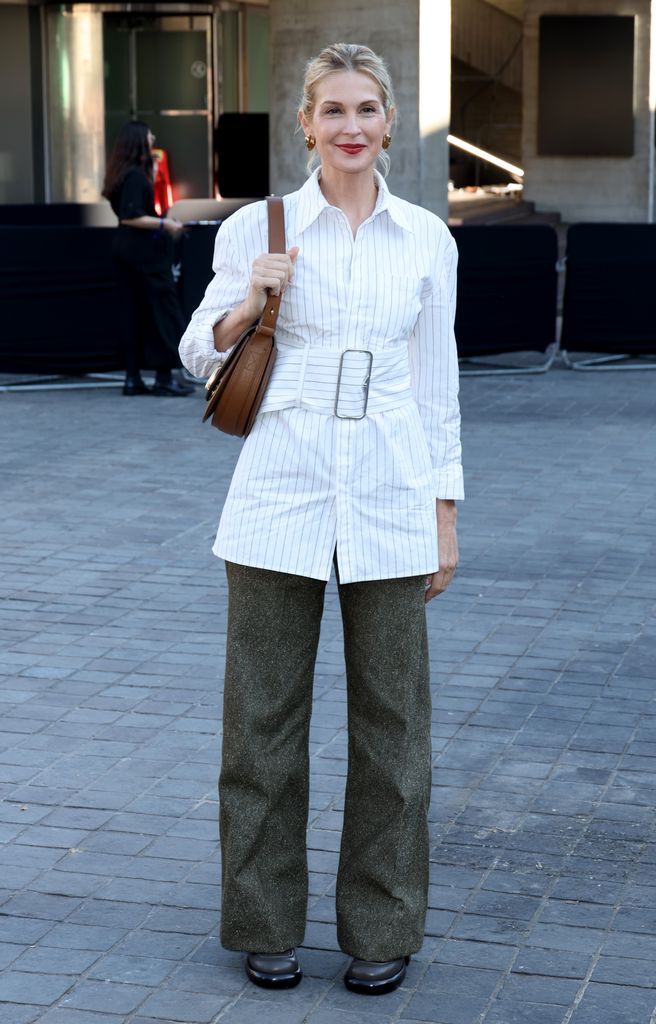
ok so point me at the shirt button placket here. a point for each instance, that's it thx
(342, 510)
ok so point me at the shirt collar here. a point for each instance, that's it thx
(311, 202)
(394, 206)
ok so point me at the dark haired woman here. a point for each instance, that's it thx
(143, 254)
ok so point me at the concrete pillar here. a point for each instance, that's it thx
(434, 103)
(413, 36)
(592, 188)
(76, 104)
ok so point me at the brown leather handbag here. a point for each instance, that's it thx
(235, 390)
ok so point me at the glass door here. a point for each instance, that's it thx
(158, 69)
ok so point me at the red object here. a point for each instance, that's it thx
(162, 183)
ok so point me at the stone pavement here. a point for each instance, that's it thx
(543, 857)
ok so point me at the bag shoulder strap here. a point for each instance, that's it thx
(276, 216)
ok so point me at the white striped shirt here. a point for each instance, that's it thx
(307, 482)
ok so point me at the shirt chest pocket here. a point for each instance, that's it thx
(390, 306)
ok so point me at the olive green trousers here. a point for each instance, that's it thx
(382, 882)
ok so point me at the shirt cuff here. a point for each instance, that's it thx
(448, 483)
(224, 355)
(197, 351)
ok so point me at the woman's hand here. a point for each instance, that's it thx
(271, 271)
(447, 539)
(172, 226)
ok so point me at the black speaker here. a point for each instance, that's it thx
(242, 152)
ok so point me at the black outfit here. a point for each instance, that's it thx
(143, 261)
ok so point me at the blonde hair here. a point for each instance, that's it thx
(347, 57)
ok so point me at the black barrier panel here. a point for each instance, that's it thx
(610, 291)
(98, 215)
(62, 311)
(196, 252)
(507, 284)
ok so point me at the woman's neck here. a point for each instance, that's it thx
(354, 194)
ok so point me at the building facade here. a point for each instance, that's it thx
(563, 90)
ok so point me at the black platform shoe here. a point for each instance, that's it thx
(369, 978)
(135, 385)
(274, 970)
(171, 384)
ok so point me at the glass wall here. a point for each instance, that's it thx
(257, 60)
(230, 61)
(245, 59)
(178, 71)
(158, 70)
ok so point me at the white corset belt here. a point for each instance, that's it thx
(348, 383)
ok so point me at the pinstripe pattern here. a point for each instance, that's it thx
(307, 481)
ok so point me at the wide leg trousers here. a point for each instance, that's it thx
(382, 882)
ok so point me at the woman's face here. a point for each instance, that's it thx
(348, 121)
(151, 139)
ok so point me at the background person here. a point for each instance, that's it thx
(354, 458)
(143, 254)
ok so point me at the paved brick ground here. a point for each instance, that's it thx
(543, 861)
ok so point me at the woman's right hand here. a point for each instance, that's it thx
(271, 271)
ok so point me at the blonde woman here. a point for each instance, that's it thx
(353, 461)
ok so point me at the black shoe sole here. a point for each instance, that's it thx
(376, 988)
(164, 392)
(265, 980)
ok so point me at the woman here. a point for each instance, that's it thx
(354, 457)
(143, 255)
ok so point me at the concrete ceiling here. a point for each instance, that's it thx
(514, 7)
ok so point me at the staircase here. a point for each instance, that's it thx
(486, 105)
(481, 207)
(488, 39)
(486, 110)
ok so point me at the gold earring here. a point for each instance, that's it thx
(387, 139)
(310, 142)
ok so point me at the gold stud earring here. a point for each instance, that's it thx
(310, 142)
(387, 139)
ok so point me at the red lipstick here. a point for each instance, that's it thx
(351, 148)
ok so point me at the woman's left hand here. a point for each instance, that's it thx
(447, 539)
(172, 226)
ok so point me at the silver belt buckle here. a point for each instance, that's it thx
(365, 385)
